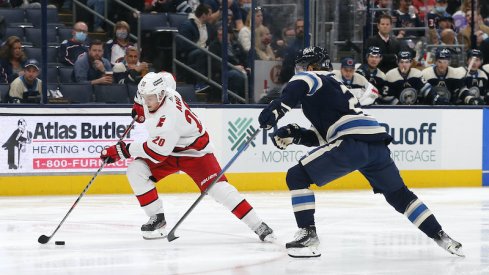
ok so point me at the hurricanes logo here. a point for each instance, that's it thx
(239, 131)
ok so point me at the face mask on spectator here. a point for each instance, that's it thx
(267, 40)
(121, 34)
(440, 9)
(80, 36)
(247, 6)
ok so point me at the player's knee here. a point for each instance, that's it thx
(224, 193)
(400, 199)
(297, 178)
(136, 170)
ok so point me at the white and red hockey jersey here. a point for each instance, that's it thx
(173, 130)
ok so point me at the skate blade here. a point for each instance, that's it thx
(303, 252)
(154, 235)
(270, 238)
(457, 251)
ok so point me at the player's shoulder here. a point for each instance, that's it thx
(414, 72)
(456, 72)
(392, 75)
(428, 72)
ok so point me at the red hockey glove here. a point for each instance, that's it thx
(116, 152)
(138, 112)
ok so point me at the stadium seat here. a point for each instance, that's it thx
(187, 92)
(64, 34)
(76, 92)
(13, 17)
(33, 35)
(176, 19)
(33, 52)
(153, 21)
(4, 92)
(115, 93)
(52, 75)
(17, 31)
(33, 16)
(65, 74)
(132, 89)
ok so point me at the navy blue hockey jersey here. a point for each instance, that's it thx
(331, 108)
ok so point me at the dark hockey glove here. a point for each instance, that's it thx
(287, 135)
(475, 101)
(138, 112)
(272, 113)
(116, 152)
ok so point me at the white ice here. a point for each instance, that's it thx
(359, 232)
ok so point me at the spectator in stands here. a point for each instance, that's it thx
(263, 39)
(99, 7)
(92, 67)
(288, 65)
(484, 48)
(387, 43)
(27, 87)
(70, 50)
(245, 8)
(439, 11)
(130, 70)
(443, 23)
(423, 7)
(197, 30)
(244, 35)
(216, 6)
(480, 29)
(406, 17)
(115, 49)
(12, 59)
(459, 18)
(236, 56)
(178, 6)
(370, 70)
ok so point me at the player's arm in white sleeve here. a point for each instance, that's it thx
(158, 146)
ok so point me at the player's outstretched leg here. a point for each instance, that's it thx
(306, 241)
(138, 174)
(407, 203)
(227, 195)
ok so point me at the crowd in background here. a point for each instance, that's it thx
(449, 70)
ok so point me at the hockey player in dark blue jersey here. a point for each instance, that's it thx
(476, 80)
(346, 139)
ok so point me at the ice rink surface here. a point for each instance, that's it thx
(359, 232)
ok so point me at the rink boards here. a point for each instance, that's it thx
(57, 152)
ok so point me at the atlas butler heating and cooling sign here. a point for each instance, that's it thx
(42, 143)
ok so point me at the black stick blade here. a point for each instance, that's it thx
(43, 239)
(171, 237)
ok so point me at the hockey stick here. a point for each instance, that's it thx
(171, 236)
(43, 238)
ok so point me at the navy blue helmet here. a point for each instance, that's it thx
(405, 55)
(443, 53)
(374, 51)
(315, 56)
(474, 53)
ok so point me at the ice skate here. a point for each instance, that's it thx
(265, 233)
(305, 245)
(154, 228)
(449, 244)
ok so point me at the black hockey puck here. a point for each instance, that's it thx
(59, 242)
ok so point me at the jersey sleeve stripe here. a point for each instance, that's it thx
(312, 81)
(152, 154)
(199, 144)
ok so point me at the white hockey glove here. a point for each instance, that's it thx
(287, 135)
(369, 96)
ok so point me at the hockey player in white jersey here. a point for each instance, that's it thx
(177, 141)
